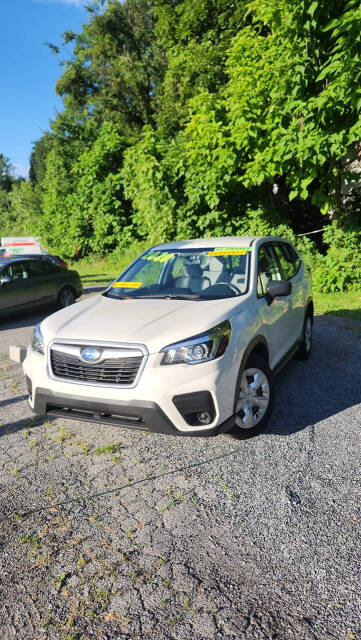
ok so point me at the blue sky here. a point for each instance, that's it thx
(28, 70)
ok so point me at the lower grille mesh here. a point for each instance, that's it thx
(120, 371)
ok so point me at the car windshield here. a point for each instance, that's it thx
(185, 274)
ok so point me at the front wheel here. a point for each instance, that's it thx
(66, 297)
(254, 398)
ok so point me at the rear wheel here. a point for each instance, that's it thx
(304, 351)
(254, 398)
(66, 297)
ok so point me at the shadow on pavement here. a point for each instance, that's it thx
(5, 403)
(24, 423)
(24, 320)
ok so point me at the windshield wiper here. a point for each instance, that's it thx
(171, 296)
(117, 297)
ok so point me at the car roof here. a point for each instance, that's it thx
(223, 241)
(19, 258)
(28, 255)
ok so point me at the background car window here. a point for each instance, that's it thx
(268, 269)
(16, 271)
(287, 259)
(40, 268)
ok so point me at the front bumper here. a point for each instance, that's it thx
(139, 415)
(165, 399)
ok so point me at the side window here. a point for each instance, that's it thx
(268, 269)
(39, 268)
(17, 271)
(288, 260)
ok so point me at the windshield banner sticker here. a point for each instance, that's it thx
(230, 252)
(126, 285)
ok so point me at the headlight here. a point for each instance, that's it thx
(201, 348)
(37, 342)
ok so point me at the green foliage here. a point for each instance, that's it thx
(145, 179)
(186, 118)
(55, 221)
(24, 210)
(340, 268)
(98, 217)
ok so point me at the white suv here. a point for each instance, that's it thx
(186, 341)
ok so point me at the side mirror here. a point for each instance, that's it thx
(5, 280)
(277, 288)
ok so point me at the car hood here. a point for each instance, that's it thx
(155, 323)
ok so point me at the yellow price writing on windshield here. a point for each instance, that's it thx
(158, 256)
(126, 285)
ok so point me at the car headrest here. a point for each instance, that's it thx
(193, 270)
(214, 264)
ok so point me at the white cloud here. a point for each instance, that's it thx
(20, 171)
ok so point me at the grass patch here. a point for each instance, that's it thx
(343, 303)
(103, 270)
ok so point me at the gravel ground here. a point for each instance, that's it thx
(170, 538)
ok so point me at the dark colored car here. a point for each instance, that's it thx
(28, 283)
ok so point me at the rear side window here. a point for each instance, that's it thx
(288, 260)
(40, 268)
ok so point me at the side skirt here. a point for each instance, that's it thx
(290, 353)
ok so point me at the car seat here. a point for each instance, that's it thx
(193, 278)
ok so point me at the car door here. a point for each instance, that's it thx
(15, 292)
(43, 280)
(274, 316)
(290, 265)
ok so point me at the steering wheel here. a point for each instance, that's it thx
(233, 287)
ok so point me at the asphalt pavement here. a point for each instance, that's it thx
(108, 533)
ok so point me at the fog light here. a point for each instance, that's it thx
(204, 417)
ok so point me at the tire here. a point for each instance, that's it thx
(66, 297)
(248, 422)
(305, 348)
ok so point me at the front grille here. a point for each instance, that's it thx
(118, 371)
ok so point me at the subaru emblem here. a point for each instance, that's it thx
(90, 354)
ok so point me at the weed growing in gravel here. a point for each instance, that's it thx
(81, 562)
(226, 488)
(178, 496)
(109, 448)
(15, 385)
(102, 594)
(166, 582)
(84, 446)
(59, 581)
(31, 539)
(62, 435)
(15, 470)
